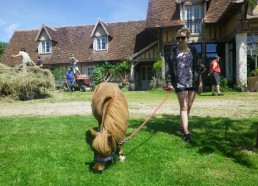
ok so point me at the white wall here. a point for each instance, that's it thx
(241, 60)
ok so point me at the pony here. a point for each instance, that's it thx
(110, 108)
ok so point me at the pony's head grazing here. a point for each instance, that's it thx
(104, 146)
(110, 108)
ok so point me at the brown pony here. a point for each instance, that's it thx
(110, 108)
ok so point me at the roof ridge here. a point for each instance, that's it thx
(128, 21)
(95, 23)
(27, 30)
(70, 26)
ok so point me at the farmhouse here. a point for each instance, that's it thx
(218, 27)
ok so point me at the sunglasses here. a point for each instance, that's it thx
(181, 38)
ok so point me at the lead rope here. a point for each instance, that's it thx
(137, 130)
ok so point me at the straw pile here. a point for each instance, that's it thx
(25, 86)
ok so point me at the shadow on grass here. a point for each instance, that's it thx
(223, 135)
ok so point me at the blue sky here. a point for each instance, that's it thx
(31, 14)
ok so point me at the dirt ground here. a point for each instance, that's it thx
(230, 107)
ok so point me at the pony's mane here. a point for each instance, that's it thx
(100, 144)
(110, 96)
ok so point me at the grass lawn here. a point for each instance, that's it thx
(56, 151)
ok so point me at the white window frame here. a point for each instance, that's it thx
(193, 15)
(89, 71)
(101, 43)
(45, 47)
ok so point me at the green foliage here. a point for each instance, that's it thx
(157, 67)
(123, 67)
(254, 72)
(3, 46)
(98, 75)
(252, 2)
(157, 79)
(59, 73)
(225, 84)
(107, 68)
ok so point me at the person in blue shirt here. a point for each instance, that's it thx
(39, 62)
(70, 79)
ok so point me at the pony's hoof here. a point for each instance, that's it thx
(121, 158)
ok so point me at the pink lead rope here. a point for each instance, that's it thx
(137, 130)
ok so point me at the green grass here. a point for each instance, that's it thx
(56, 151)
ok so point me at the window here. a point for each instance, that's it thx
(193, 18)
(45, 47)
(211, 50)
(252, 45)
(89, 70)
(101, 43)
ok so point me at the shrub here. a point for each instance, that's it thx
(254, 72)
(58, 73)
(101, 72)
(97, 76)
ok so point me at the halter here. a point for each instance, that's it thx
(104, 160)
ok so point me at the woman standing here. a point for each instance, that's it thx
(185, 80)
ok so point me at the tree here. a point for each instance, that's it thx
(3, 46)
(103, 71)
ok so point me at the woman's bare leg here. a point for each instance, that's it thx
(185, 99)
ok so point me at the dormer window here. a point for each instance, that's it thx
(101, 43)
(45, 47)
(193, 18)
(101, 36)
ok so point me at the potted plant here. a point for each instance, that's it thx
(252, 81)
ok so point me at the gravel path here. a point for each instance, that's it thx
(231, 108)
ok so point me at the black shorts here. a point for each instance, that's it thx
(215, 78)
(185, 89)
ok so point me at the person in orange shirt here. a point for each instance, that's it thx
(214, 72)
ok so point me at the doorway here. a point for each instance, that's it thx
(146, 77)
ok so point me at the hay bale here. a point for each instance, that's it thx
(25, 86)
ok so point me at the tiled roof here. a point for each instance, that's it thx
(76, 41)
(19, 40)
(163, 13)
(166, 13)
(217, 9)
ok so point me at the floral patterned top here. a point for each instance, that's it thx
(184, 69)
